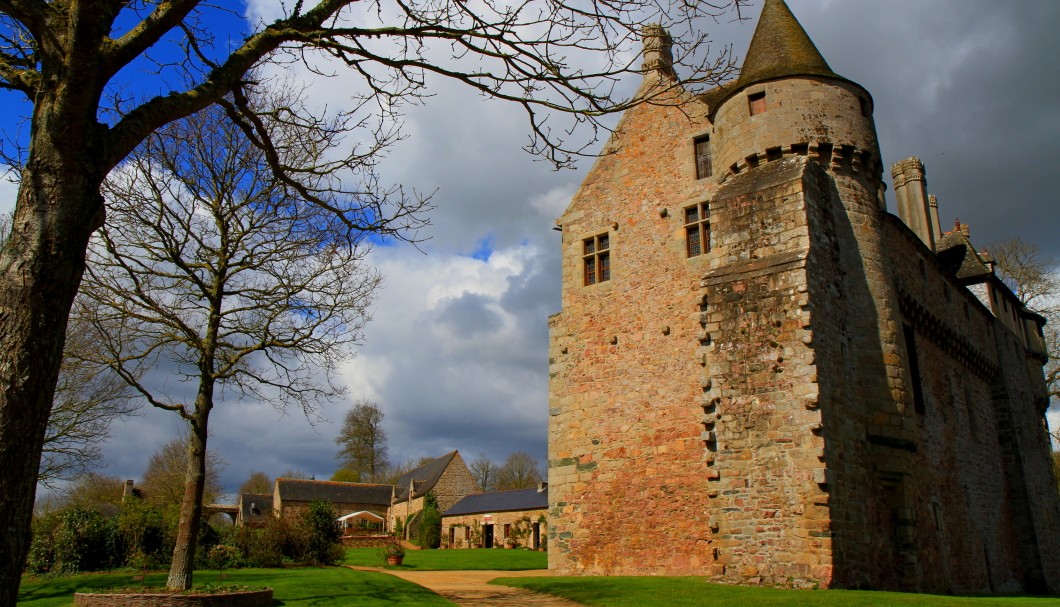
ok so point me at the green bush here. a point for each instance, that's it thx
(430, 523)
(321, 535)
(75, 540)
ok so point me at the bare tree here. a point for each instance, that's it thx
(485, 472)
(68, 59)
(257, 482)
(164, 479)
(87, 399)
(519, 471)
(218, 272)
(362, 442)
(1035, 279)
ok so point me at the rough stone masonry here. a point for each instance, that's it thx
(758, 374)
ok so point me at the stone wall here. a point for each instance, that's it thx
(455, 484)
(768, 513)
(460, 531)
(625, 453)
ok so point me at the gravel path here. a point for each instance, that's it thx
(469, 588)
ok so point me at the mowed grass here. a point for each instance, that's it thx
(309, 587)
(696, 592)
(453, 560)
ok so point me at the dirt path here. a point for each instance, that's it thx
(469, 588)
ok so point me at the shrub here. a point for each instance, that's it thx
(430, 523)
(77, 540)
(321, 535)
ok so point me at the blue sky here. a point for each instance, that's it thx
(456, 355)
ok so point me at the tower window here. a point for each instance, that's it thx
(596, 259)
(703, 168)
(757, 102)
(697, 229)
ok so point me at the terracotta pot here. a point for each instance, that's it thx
(394, 560)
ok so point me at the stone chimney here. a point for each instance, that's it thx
(658, 49)
(910, 188)
(933, 217)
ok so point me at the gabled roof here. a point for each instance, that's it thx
(423, 478)
(958, 256)
(332, 491)
(501, 501)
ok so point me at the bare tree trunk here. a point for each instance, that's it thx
(41, 264)
(183, 566)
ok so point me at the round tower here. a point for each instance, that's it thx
(787, 101)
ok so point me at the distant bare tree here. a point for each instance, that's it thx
(1035, 279)
(519, 471)
(164, 479)
(257, 482)
(362, 442)
(300, 475)
(87, 399)
(485, 472)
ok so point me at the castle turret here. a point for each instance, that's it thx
(787, 101)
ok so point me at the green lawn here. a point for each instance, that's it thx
(695, 592)
(453, 560)
(310, 587)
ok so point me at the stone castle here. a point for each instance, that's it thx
(760, 375)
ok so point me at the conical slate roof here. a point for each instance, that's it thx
(780, 47)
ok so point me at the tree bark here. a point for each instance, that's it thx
(40, 269)
(183, 565)
(41, 263)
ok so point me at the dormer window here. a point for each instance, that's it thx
(702, 146)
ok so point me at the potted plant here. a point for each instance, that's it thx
(393, 552)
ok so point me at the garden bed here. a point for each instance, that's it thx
(241, 598)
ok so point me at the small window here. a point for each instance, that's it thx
(703, 168)
(597, 259)
(864, 106)
(757, 102)
(697, 229)
(507, 529)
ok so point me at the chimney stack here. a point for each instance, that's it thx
(658, 53)
(910, 188)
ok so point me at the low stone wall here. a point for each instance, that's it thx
(365, 541)
(250, 598)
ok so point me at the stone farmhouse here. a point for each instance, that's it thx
(761, 375)
(447, 477)
(504, 518)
